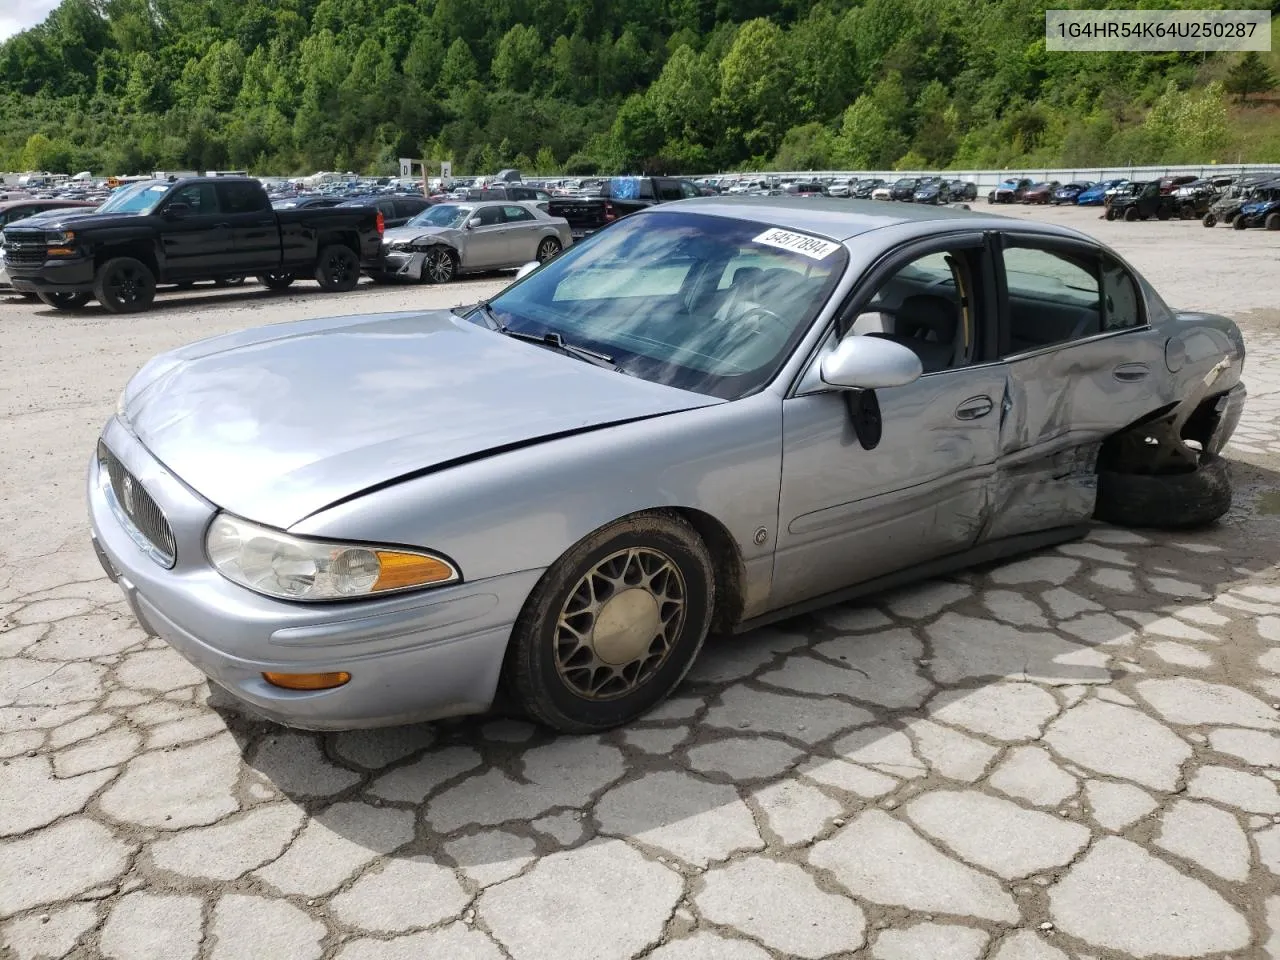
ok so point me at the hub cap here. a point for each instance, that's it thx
(619, 623)
(546, 250)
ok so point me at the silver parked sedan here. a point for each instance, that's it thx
(712, 414)
(449, 239)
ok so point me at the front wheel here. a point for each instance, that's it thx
(614, 625)
(1210, 220)
(125, 285)
(1109, 213)
(337, 269)
(276, 281)
(64, 301)
(547, 249)
(1131, 214)
(1273, 221)
(1239, 223)
(440, 265)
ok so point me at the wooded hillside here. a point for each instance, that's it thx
(281, 86)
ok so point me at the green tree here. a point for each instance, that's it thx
(867, 140)
(809, 146)
(459, 67)
(1249, 75)
(518, 62)
(755, 88)
(36, 153)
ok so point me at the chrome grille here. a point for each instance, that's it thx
(140, 514)
(24, 246)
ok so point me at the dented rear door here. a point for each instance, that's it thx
(1062, 398)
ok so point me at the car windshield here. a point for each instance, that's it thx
(137, 198)
(702, 303)
(906, 182)
(442, 215)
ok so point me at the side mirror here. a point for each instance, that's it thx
(176, 211)
(527, 269)
(869, 363)
(474, 222)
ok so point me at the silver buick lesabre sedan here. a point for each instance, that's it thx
(450, 239)
(711, 414)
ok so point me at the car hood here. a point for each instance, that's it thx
(277, 423)
(43, 221)
(407, 233)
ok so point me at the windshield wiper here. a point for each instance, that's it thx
(557, 342)
(548, 339)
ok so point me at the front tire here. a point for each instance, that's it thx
(547, 249)
(1131, 214)
(440, 265)
(64, 301)
(337, 269)
(1109, 213)
(1239, 223)
(613, 625)
(125, 285)
(1167, 501)
(1210, 220)
(276, 281)
(1273, 221)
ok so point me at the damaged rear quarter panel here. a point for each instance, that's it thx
(1060, 404)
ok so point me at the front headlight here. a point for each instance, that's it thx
(60, 238)
(291, 568)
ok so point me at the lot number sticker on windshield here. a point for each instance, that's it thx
(801, 243)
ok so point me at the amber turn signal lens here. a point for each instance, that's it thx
(400, 570)
(307, 681)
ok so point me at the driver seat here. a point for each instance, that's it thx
(927, 326)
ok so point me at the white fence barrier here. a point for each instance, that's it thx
(986, 179)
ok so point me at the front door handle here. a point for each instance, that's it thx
(1130, 372)
(975, 408)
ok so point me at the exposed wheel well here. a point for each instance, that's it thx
(728, 568)
(139, 251)
(345, 239)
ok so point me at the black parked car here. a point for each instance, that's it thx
(199, 228)
(863, 188)
(905, 189)
(933, 190)
(396, 211)
(305, 202)
(962, 190)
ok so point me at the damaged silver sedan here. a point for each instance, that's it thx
(712, 414)
(450, 239)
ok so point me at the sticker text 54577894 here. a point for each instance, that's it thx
(812, 247)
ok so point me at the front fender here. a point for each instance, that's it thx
(521, 509)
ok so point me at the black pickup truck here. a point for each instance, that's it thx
(199, 228)
(617, 197)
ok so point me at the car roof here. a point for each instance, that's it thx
(841, 219)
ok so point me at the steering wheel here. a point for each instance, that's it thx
(754, 314)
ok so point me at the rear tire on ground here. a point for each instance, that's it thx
(337, 268)
(1169, 501)
(125, 285)
(547, 248)
(64, 301)
(613, 625)
(276, 281)
(1210, 220)
(1131, 214)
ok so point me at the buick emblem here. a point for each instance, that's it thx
(126, 491)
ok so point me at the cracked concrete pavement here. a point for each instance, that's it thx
(1075, 754)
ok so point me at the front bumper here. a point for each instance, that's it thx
(53, 276)
(401, 264)
(1227, 410)
(412, 657)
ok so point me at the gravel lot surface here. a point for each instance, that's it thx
(1072, 755)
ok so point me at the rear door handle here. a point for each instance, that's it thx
(1130, 372)
(975, 408)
